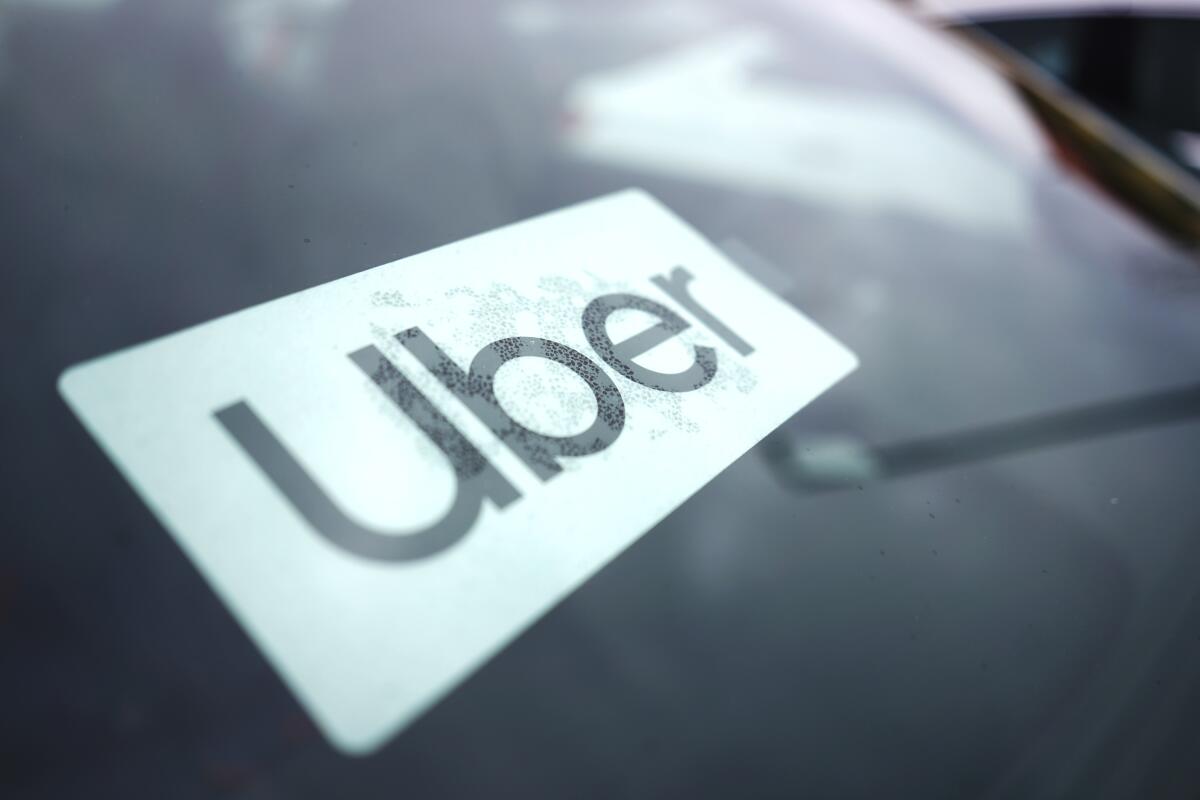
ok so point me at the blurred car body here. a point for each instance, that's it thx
(1137, 61)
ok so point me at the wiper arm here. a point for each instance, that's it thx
(842, 462)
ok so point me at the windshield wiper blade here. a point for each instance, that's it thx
(842, 461)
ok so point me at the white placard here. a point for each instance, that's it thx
(388, 477)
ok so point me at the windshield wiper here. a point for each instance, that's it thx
(839, 462)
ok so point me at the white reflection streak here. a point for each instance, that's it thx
(700, 113)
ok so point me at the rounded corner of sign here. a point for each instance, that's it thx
(638, 194)
(852, 360)
(355, 743)
(68, 380)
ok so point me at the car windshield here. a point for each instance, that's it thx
(966, 570)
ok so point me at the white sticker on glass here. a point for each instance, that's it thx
(389, 477)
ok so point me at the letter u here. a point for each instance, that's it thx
(476, 477)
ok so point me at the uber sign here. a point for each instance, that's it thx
(387, 478)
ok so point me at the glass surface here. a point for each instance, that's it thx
(966, 571)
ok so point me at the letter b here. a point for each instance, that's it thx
(476, 389)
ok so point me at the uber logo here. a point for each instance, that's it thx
(475, 476)
(352, 470)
